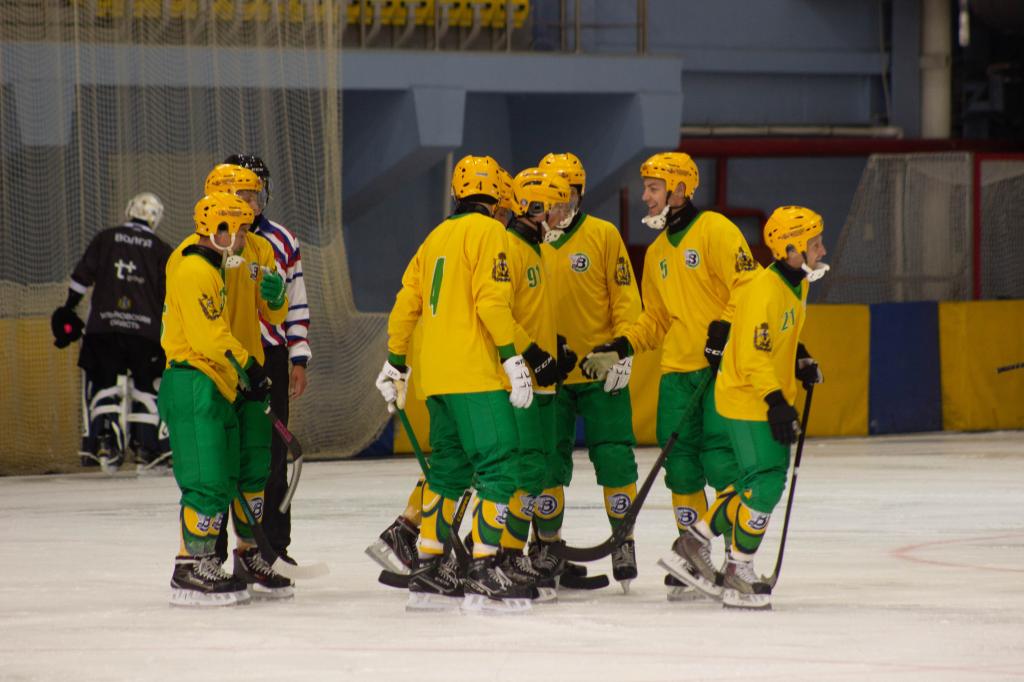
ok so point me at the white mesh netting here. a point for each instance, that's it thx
(103, 99)
(910, 232)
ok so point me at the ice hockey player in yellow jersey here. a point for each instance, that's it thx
(596, 298)
(255, 288)
(693, 272)
(540, 198)
(754, 394)
(458, 287)
(196, 396)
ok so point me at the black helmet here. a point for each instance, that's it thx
(256, 165)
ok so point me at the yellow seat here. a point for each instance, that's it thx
(423, 12)
(520, 10)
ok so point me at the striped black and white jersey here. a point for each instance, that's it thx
(295, 330)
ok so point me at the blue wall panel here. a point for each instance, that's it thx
(905, 391)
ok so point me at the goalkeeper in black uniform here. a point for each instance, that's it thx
(121, 353)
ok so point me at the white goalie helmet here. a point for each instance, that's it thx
(145, 206)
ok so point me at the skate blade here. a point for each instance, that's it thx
(193, 598)
(678, 567)
(109, 466)
(684, 594)
(260, 592)
(478, 603)
(624, 584)
(734, 599)
(386, 558)
(426, 601)
(546, 595)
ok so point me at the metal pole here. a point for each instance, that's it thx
(578, 11)
(641, 27)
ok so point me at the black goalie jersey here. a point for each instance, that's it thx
(126, 265)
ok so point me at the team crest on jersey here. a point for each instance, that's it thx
(691, 258)
(124, 303)
(500, 271)
(622, 275)
(210, 308)
(763, 338)
(744, 261)
(254, 271)
(663, 266)
(618, 503)
(579, 262)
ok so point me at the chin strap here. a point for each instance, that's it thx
(656, 222)
(813, 275)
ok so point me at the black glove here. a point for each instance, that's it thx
(782, 418)
(566, 358)
(66, 326)
(259, 384)
(807, 369)
(545, 368)
(718, 334)
(597, 362)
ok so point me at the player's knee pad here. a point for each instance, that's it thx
(614, 464)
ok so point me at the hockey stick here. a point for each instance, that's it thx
(290, 441)
(270, 555)
(625, 526)
(1007, 368)
(774, 577)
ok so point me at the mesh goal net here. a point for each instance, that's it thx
(102, 99)
(912, 229)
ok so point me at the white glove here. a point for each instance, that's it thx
(391, 383)
(522, 385)
(618, 375)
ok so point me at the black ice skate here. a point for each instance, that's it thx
(743, 589)
(518, 567)
(489, 589)
(202, 581)
(261, 579)
(109, 454)
(569, 575)
(150, 463)
(395, 549)
(624, 564)
(690, 563)
(435, 585)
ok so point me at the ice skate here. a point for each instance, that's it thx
(395, 549)
(202, 581)
(680, 591)
(624, 564)
(690, 562)
(261, 579)
(489, 589)
(149, 463)
(435, 585)
(743, 589)
(109, 455)
(519, 568)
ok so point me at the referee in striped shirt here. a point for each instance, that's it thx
(287, 352)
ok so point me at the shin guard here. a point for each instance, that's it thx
(436, 524)
(687, 508)
(488, 525)
(548, 513)
(517, 520)
(617, 502)
(748, 529)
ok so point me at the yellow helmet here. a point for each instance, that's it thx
(220, 208)
(508, 199)
(673, 168)
(227, 177)
(791, 226)
(537, 191)
(567, 164)
(476, 175)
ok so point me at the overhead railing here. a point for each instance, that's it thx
(509, 25)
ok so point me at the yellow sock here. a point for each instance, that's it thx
(243, 531)
(488, 525)
(414, 507)
(197, 532)
(517, 520)
(617, 502)
(748, 529)
(548, 513)
(688, 508)
(436, 523)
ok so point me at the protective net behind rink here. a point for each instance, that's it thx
(910, 234)
(102, 99)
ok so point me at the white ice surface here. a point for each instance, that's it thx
(905, 562)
